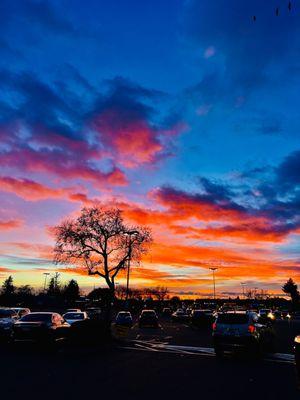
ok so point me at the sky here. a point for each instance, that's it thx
(182, 113)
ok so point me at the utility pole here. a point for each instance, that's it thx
(129, 234)
(243, 286)
(213, 269)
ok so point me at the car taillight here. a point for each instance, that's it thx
(251, 328)
(214, 326)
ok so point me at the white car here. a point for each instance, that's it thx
(72, 317)
(21, 311)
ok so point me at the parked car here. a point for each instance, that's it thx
(277, 314)
(148, 319)
(267, 314)
(296, 316)
(20, 311)
(166, 312)
(241, 331)
(202, 318)
(72, 317)
(297, 354)
(8, 318)
(286, 314)
(180, 315)
(73, 310)
(94, 313)
(124, 318)
(40, 327)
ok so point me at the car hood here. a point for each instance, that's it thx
(21, 324)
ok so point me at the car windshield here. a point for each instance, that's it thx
(148, 313)
(38, 317)
(74, 315)
(6, 313)
(233, 319)
(124, 315)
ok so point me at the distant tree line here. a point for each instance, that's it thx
(25, 294)
(68, 293)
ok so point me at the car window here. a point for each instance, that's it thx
(7, 313)
(74, 315)
(38, 317)
(233, 318)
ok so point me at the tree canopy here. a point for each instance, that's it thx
(100, 242)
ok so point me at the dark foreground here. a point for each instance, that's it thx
(147, 368)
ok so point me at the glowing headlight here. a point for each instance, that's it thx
(271, 315)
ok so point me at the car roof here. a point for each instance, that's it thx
(44, 312)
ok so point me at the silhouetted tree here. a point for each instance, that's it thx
(24, 294)
(175, 301)
(291, 289)
(71, 291)
(8, 291)
(161, 293)
(8, 288)
(99, 241)
(54, 289)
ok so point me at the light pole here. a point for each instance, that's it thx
(243, 286)
(213, 269)
(45, 282)
(130, 233)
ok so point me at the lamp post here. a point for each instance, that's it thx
(130, 234)
(45, 282)
(243, 286)
(213, 269)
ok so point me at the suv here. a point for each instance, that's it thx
(241, 330)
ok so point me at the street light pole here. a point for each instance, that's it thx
(45, 282)
(130, 233)
(243, 286)
(213, 269)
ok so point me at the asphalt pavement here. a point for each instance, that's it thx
(168, 362)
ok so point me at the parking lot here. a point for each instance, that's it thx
(171, 361)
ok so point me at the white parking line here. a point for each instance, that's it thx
(201, 351)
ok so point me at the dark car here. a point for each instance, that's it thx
(124, 318)
(7, 320)
(94, 313)
(297, 354)
(40, 327)
(148, 319)
(180, 315)
(241, 331)
(167, 312)
(202, 318)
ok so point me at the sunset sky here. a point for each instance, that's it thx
(184, 114)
